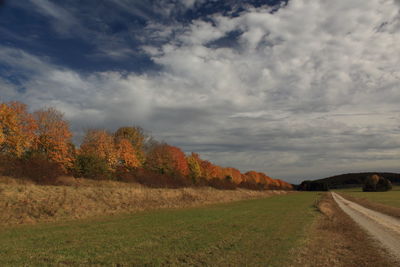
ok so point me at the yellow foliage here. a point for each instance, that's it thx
(17, 128)
(101, 144)
(126, 154)
(194, 167)
(54, 136)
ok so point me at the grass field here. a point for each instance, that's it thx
(390, 198)
(252, 232)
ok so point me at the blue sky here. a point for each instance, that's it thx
(298, 89)
(103, 35)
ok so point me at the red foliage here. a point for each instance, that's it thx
(36, 167)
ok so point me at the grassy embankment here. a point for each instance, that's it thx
(252, 232)
(385, 202)
(22, 201)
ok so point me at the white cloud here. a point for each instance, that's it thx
(293, 96)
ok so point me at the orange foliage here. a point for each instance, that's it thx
(284, 185)
(253, 176)
(168, 160)
(136, 136)
(234, 174)
(100, 143)
(2, 137)
(207, 169)
(54, 137)
(17, 128)
(127, 154)
(122, 152)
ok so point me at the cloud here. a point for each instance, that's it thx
(305, 91)
(64, 20)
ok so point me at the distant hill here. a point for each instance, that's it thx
(345, 180)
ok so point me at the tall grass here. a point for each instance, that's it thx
(22, 201)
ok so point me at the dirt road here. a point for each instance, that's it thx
(384, 228)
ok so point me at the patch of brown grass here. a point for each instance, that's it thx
(22, 201)
(389, 210)
(336, 240)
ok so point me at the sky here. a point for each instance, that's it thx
(298, 89)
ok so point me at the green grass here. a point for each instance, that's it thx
(390, 198)
(252, 233)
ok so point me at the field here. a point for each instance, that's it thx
(390, 198)
(252, 232)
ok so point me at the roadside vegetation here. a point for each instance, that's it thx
(262, 232)
(38, 146)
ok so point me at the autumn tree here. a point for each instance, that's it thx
(207, 169)
(100, 143)
(253, 176)
(234, 174)
(194, 166)
(17, 128)
(126, 154)
(54, 137)
(166, 159)
(284, 185)
(2, 137)
(136, 136)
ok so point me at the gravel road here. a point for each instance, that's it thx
(382, 227)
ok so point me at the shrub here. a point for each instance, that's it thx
(376, 183)
(34, 166)
(92, 166)
(225, 184)
(383, 185)
(124, 174)
(158, 180)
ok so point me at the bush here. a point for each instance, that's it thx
(91, 166)
(34, 166)
(124, 174)
(225, 184)
(384, 185)
(375, 183)
(158, 180)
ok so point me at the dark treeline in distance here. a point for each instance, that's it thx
(347, 180)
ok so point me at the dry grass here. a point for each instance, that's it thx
(336, 240)
(22, 201)
(389, 210)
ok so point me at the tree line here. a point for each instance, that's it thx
(39, 146)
